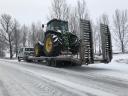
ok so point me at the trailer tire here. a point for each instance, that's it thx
(48, 63)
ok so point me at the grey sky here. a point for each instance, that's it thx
(28, 11)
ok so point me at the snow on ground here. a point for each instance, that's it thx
(118, 66)
(16, 81)
(93, 80)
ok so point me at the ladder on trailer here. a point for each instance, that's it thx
(86, 49)
(106, 43)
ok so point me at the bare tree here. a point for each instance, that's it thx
(96, 37)
(82, 10)
(40, 32)
(73, 21)
(59, 10)
(7, 31)
(120, 20)
(104, 19)
(65, 11)
(2, 46)
(24, 31)
(33, 34)
(17, 36)
(35, 31)
(94, 28)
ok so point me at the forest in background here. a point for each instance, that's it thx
(14, 35)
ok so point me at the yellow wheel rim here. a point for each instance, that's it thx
(36, 50)
(49, 44)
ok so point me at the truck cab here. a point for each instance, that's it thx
(24, 52)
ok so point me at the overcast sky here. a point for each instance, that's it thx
(28, 11)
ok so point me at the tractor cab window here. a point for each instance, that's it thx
(57, 25)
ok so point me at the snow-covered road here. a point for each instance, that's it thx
(28, 79)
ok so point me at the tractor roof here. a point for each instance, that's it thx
(53, 20)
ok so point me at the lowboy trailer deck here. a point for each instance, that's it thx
(54, 61)
(86, 54)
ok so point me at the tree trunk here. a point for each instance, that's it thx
(16, 50)
(122, 47)
(10, 46)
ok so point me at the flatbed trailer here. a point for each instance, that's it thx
(86, 54)
(54, 61)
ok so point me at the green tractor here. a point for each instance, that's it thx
(57, 40)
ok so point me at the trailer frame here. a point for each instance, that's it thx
(86, 54)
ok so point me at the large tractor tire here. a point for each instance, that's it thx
(52, 46)
(38, 50)
(74, 49)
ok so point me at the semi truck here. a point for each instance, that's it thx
(59, 45)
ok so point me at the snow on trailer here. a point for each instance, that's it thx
(86, 54)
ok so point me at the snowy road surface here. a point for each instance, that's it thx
(27, 79)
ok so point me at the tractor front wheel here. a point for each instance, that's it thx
(38, 49)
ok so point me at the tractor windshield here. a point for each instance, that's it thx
(58, 25)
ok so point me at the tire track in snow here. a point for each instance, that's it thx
(102, 78)
(71, 84)
(26, 82)
(3, 89)
(108, 84)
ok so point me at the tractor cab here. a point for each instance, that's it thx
(57, 25)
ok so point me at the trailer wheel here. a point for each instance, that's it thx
(26, 59)
(48, 63)
(53, 63)
(51, 45)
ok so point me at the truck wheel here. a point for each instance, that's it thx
(38, 50)
(51, 45)
(19, 59)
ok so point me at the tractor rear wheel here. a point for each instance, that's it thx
(52, 45)
(38, 50)
(74, 50)
(75, 45)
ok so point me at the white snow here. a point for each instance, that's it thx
(73, 85)
(97, 79)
